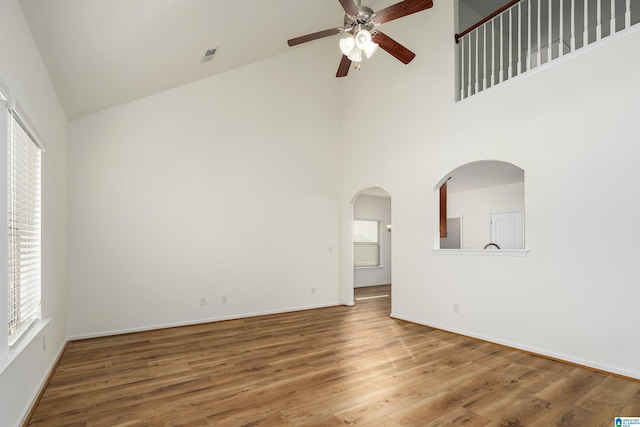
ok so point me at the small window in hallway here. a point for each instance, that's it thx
(366, 243)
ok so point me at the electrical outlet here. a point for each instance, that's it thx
(223, 299)
(313, 291)
(203, 300)
(456, 308)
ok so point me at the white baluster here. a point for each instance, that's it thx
(573, 25)
(469, 87)
(539, 55)
(561, 35)
(529, 35)
(477, 59)
(510, 43)
(549, 36)
(585, 34)
(612, 30)
(627, 15)
(599, 20)
(519, 38)
(493, 51)
(484, 57)
(462, 68)
(501, 48)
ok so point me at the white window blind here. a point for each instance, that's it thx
(366, 243)
(24, 213)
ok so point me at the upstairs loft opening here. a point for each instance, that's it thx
(521, 35)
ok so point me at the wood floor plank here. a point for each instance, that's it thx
(449, 399)
(574, 416)
(533, 412)
(324, 367)
(401, 393)
(459, 417)
(572, 387)
(382, 422)
(609, 395)
(631, 409)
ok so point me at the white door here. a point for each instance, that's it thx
(507, 230)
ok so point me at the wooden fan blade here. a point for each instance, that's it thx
(349, 7)
(394, 48)
(398, 10)
(343, 68)
(314, 36)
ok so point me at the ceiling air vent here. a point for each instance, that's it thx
(208, 55)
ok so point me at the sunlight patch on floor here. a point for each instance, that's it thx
(375, 296)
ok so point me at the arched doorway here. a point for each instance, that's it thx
(371, 237)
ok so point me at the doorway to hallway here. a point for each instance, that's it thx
(371, 237)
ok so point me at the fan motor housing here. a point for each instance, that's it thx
(362, 22)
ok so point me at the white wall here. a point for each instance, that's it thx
(378, 209)
(573, 129)
(476, 206)
(229, 186)
(25, 77)
(467, 16)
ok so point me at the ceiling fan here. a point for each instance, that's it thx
(361, 23)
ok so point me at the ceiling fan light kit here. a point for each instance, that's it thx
(354, 47)
(363, 39)
(360, 22)
(347, 45)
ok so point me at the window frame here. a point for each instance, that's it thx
(24, 213)
(367, 243)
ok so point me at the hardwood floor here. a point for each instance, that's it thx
(324, 367)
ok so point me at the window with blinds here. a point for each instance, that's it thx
(366, 243)
(24, 193)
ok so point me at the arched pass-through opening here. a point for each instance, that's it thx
(371, 233)
(480, 208)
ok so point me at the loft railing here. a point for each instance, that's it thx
(525, 34)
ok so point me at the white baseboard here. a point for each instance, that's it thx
(198, 321)
(529, 349)
(33, 400)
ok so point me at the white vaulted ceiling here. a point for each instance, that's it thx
(102, 53)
